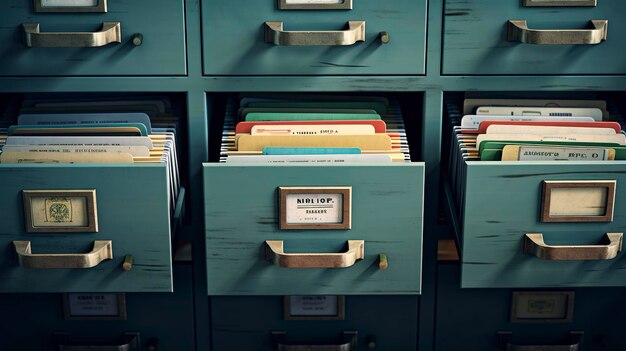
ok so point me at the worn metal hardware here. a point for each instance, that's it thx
(561, 3)
(534, 245)
(518, 31)
(128, 263)
(274, 34)
(313, 5)
(137, 39)
(274, 252)
(58, 204)
(551, 186)
(383, 262)
(111, 32)
(573, 343)
(102, 250)
(130, 341)
(348, 342)
(384, 37)
(101, 6)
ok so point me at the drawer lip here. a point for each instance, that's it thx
(163, 52)
(236, 265)
(485, 51)
(364, 59)
(129, 212)
(482, 228)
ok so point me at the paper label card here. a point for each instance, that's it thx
(315, 207)
(315, 4)
(70, 6)
(551, 306)
(314, 307)
(69, 3)
(95, 306)
(578, 201)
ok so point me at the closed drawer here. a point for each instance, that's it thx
(260, 325)
(241, 47)
(242, 214)
(132, 215)
(516, 319)
(476, 39)
(158, 26)
(113, 322)
(503, 203)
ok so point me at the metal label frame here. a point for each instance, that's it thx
(560, 3)
(121, 308)
(340, 316)
(569, 311)
(346, 210)
(91, 210)
(548, 185)
(101, 7)
(345, 5)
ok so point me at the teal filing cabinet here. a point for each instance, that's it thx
(259, 38)
(480, 39)
(133, 38)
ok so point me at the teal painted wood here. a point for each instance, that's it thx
(241, 213)
(502, 204)
(475, 39)
(245, 323)
(161, 22)
(599, 313)
(30, 320)
(133, 212)
(237, 47)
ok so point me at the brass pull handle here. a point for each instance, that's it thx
(274, 34)
(518, 31)
(572, 344)
(111, 32)
(130, 341)
(102, 250)
(274, 252)
(534, 245)
(348, 341)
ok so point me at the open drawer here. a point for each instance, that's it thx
(311, 228)
(528, 224)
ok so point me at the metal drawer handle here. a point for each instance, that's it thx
(102, 250)
(518, 31)
(348, 341)
(130, 342)
(274, 34)
(534, 245)
(573, 343)
(111, 32)
(275, 252)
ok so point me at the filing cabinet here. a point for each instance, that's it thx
(520, 38)
(595, 321)
(322, 38)
(136, 38)
(143, 321)
(508, 239)
(260, 323)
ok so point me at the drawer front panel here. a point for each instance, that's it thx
(476, 39)
(160, 23)
(163, 321)
(239, 47)
(241, 214)
(132, 210)
(596, 312)
(503, 203)
(246, 323)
